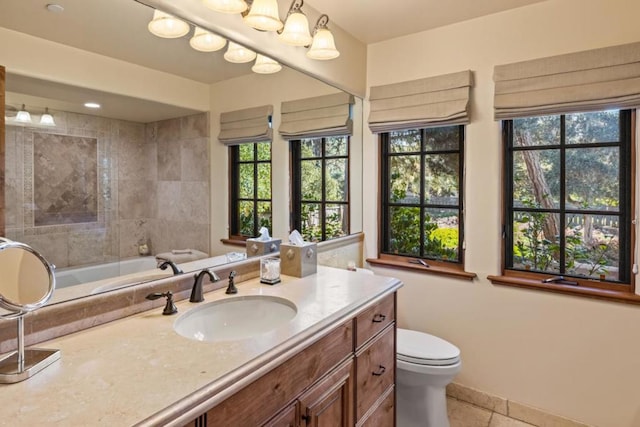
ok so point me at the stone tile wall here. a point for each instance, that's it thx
(152, 187)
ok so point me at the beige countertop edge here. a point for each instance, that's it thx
(207, 397)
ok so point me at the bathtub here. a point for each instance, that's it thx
(93, 273)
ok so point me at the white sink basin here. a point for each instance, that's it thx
(235, 318)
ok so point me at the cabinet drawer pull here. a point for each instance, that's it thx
(381, 370)
(379, 318)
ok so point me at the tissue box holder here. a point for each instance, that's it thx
(257, 247)
(298, 261)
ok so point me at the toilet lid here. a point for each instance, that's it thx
(424, 349)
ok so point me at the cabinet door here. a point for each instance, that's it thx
(286, 418)
(329, 403)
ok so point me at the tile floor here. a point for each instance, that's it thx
(463, 414)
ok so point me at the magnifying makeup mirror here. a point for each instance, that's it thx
(26, 284)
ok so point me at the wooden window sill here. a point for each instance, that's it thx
(402, 263)
(583, 291)
(234, 242)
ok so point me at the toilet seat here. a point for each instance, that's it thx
(424, 349)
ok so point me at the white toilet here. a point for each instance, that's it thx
(425, 365)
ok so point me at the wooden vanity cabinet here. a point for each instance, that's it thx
(345, 379)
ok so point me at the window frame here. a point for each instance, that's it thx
(235, 237)
(433, 266)
(295, 148)
(623, 291)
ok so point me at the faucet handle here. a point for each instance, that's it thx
(170, 307)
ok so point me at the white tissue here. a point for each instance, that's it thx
(296, 238)
(264, 234)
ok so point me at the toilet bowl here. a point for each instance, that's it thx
(425, 365)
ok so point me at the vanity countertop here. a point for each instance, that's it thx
(138, 370)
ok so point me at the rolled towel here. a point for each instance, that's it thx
(181, 255)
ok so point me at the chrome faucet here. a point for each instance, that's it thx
(164, 264)
(196, 291)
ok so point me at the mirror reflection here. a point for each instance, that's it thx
(26, 282)
(104, 192)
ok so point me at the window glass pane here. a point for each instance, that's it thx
(441, 179)
(310, 225)
(336, 180)
(407, 141)
(264, 180)
(246, 152)
(442, 138)
(264, 151)
(536, 131)
(592, 178)
(404, 179)
(310, 148)
(592, 246)
(336, 146)
(245, 210)
(404, 231)
(246, 180)
(535, 241)
(311, 177)
(335, 221)
(441, 234)
(536, 178)
(601, 126)
(264, 216)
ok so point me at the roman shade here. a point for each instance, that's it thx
(248, 125)
(590, 80)
(328, 115)
(432, 101)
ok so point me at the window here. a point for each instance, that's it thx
(250, 189)
(568, 199)
(320, 180)
(421, 174)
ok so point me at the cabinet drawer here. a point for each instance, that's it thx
(375, 370)
(384, 414)
(375, 319)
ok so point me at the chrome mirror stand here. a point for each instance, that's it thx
(24, 363)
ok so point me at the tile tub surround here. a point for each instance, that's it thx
(470, 407)
(137, 370)
(166, 161)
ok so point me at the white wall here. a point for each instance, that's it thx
(571, 356)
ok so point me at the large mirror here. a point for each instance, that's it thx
(104, 191)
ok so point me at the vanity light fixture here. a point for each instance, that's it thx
(226, 6)
(296, 27)
(323, 46)
(206, 41)
(47, 119)
(23, 116)
(238, 54)
(265, 65)
(263, 15)
(92, 105)
(167, 26)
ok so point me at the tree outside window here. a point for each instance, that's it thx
(250, 189)
(321, 187)
(569, 195)
(422, 193)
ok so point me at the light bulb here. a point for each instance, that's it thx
(238, 54)
(296, 30)
(47, 119)
(205, 41)
(23, 116)
(226, 6)
(263, 15)
(323, 46)
(265, 65)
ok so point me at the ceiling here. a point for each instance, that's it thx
(118, 29)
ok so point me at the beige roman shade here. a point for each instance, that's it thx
(328, 115)
(249, 125)
(433, 101)
(583, 81)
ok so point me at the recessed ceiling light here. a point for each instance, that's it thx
(55, 8)
(92, 105)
